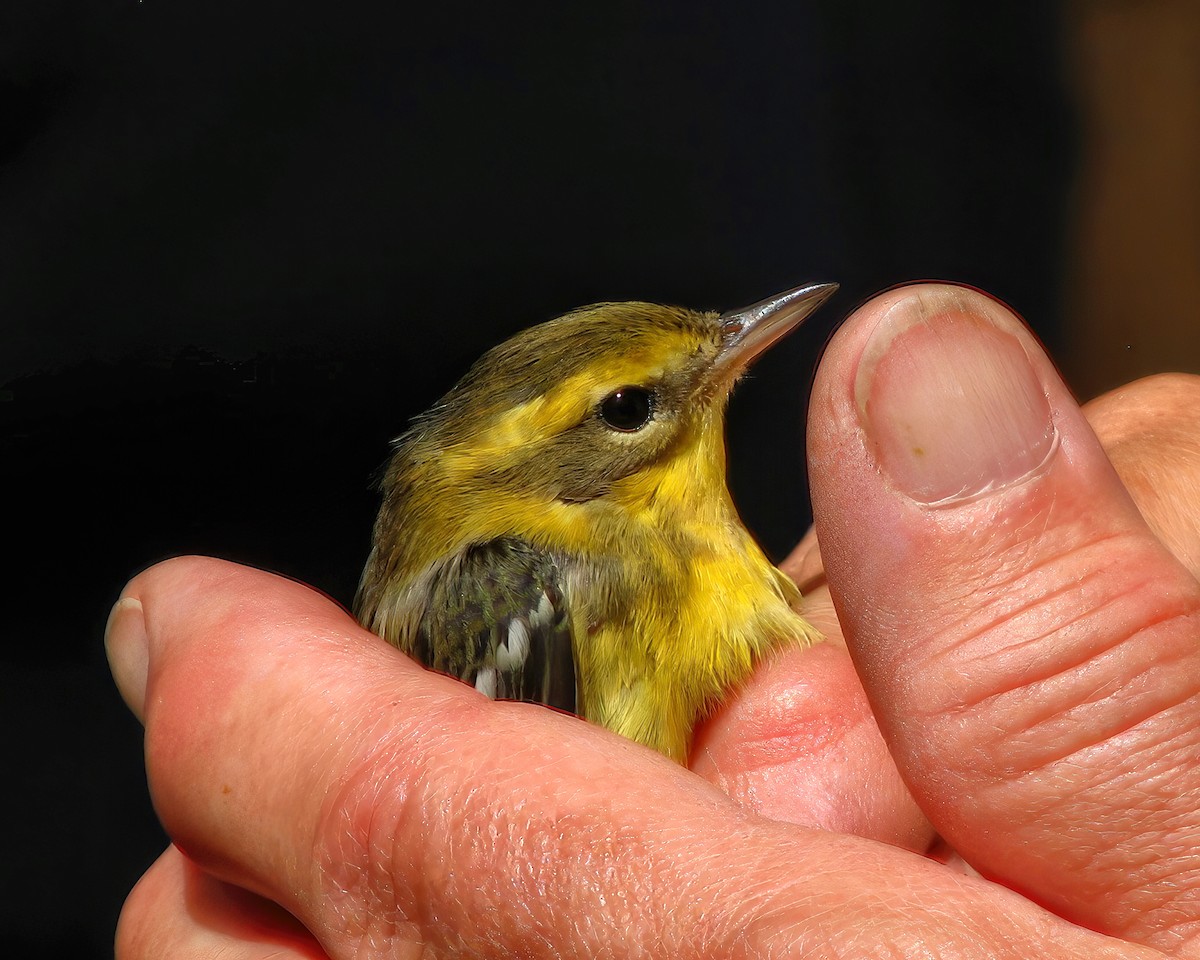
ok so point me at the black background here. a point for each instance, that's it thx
(242, 242)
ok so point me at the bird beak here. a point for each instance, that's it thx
(748, 332)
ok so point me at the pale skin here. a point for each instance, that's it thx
(1031, 671)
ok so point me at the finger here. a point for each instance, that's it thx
(178, 911)
(798, 743)
(1030, 648)
(398, 813)
(1151, 433)
(803, 565)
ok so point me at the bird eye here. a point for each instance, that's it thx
(628, 409)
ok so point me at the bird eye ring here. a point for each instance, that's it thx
(628, 409)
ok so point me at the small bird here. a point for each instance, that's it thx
(558, 529)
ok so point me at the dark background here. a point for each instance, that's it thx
(242, 242)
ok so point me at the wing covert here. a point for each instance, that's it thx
(497, 619)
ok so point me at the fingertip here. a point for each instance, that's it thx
(941, 412)
(176, 910)
(803, 565)
(128, 633)
(1151, 434)
(128, 650)
(798, 743)
(948, 394)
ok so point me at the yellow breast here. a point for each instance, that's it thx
(682, 606)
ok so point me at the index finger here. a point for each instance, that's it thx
(1150, 432)
(395, 811)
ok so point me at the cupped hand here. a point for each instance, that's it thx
(1026, 639)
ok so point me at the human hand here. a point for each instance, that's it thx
(389, 809)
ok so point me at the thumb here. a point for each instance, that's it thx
(1028, 645)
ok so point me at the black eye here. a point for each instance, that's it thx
(628, 409)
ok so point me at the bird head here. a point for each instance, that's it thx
(598, 407)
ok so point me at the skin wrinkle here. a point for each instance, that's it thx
(1145, 651)
(349, 846)
(699, 826)
(1063, 666)
(972, 699)
(1000, 617)
(1063, 783)
(799, 924)
(1085, 785)
(388, 757)
(1075, 778)
(551, 838)
(1038, 743)
(471, 842)
(361, 878)
(1135, 898)
(1100, 740)
(701, 879)
(950, 594)
(1164, 760)
(957, 660)
(758, 903)
(724, 882)
(781, 918)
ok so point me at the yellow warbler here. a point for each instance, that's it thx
(558, 529)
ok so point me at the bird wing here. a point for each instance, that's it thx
(497, 618)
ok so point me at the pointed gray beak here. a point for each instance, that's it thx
(751, 330)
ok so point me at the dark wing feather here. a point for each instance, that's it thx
(497, 618)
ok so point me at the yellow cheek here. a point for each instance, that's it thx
(692, 478)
